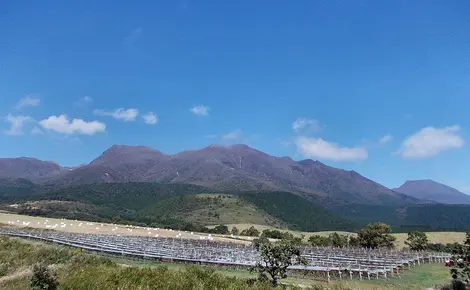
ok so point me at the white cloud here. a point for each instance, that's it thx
(62, 124)
(150, 118)
(119, 114)
(200, 110)
(319, 148)
(430, 141)
(16, 124)
(233, 136)
(385, 139)
(30, 100)
(305, 123)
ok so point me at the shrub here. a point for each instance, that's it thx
(43, 279)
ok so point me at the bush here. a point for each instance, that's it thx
(43, 279)
(251, 232)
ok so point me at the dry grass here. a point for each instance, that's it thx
(74, 226)
(104, 228)
(433, 237)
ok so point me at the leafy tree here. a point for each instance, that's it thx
(221, 230)
(317, 241)
(275, 259)
(417, 241)
(235, 231)
(338, 240)
(251, 232)
(43, 279)
(353, 241)
(460, 258)
(376, 235)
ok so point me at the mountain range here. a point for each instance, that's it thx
(223, 168)
(238, 171)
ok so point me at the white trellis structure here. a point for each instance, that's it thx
(323, 262)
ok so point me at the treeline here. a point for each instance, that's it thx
(299, 213)
(421, 217)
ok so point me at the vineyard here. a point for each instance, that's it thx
(324, 263)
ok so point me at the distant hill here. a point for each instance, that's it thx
(230, 168)
(186, 206)
(424, 217)
(28, 168)
(176, 205)
(434, 191)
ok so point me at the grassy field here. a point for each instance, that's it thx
(421, 277)
(433, 237)
(216, 209)
(104, 228)
(75, 226)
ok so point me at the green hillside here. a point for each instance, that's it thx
(172, 205)
(425, 217)
(186, 206)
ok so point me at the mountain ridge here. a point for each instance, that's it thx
(427, 189)
(235, 167)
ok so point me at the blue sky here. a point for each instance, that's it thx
(381, 88)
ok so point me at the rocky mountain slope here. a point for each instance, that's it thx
(230, 168)
(28, 168)
(434, 191)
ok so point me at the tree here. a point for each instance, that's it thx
(235, 231)
(338, 240)
(461, 262)
(353, 241)
(43, 279)
(251, 232)
(221, 230)
(376, 235)
(417, 241)
(276, 258)
(317, 241)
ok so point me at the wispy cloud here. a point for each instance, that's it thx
(36, 131)
(16, 124)
(62, 124)
(200, 110)
(134, 35)
(28, 101)
(150, 118)
(125, 115)
(233, 136)
(385, 139)
(431, 141)
(84, 101)
(319, 148)
(305, 123)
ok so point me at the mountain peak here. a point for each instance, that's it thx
(427, 189)
(125, 153)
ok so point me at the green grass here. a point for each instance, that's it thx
(215, 209)
(433, 237)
